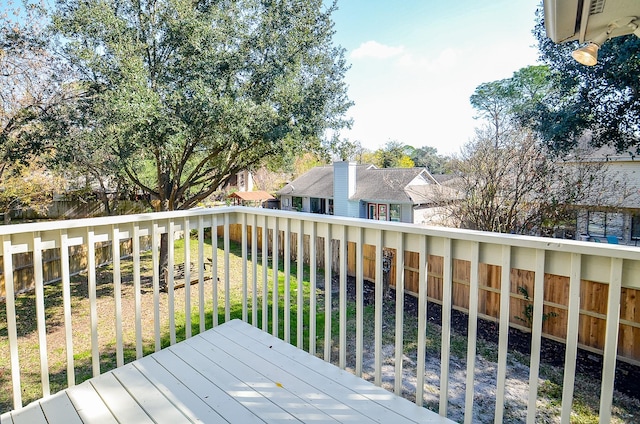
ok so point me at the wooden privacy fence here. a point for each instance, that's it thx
(593, 295)
(23, 264)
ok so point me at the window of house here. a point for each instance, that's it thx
(597, 223)
(373, 211)
(316, 205)
(602, 224)
(330, 212)
(382, 212)
(394, 213)
(635, 227)
(296, 203)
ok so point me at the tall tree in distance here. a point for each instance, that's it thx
(428, 157)
(507, 179)
(601, 101)
(32, 87)
(394, 154)
(183, 95)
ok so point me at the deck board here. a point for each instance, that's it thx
(232, 373)
(58, 408)
(89, 405)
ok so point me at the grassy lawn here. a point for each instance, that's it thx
(29, 350)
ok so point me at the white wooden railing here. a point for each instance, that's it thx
(618, 266)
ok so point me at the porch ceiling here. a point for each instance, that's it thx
(584, 20)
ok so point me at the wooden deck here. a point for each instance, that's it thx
(232, 373)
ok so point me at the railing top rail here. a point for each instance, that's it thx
(550, 244)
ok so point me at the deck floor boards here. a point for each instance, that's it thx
(232, 373)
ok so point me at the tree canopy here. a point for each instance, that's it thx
(31, 85)
(181, 95)
(602, 101)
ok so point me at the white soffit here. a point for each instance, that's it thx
(583, 20)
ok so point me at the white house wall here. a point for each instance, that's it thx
(286, 203)
(406, 213)
(418, 181)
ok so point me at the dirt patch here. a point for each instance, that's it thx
(589, 368)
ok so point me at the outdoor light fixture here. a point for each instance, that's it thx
(588, 55)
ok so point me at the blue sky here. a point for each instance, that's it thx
(415, 63)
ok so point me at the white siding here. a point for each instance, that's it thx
(286, 203)
(406, 214)
(344, 186)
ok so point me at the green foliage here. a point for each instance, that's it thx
(428, 157)
(603, 99)
(181, 96)
(394, 154)
(527, 312)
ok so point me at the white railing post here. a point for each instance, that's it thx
(571, 349)
(399, 312)
(313, 265)
(187, 277)
(171, 287)
(201, 265)
(472, 332)
(378, 302)
(327, 295)
(245, 288)
(214, 270)
(93, 308)
(40, 313)
(155, 260)
(536, 335)
(611, 340)
(265, 274)
(359, 301)
(286, 258)
(422, 320)
(117, 293)
(227, 277)
(300, 286)
(445, 343)
(275, 254)
(12, 329)
(503, 336)
(343, 299)
(66, 302)
(137, 286)
(254, 274)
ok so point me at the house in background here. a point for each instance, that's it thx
(364, 191)
(612, 213)
(241, 181)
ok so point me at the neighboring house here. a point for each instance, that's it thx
(612, 212)
(363, 191)
(242, 181)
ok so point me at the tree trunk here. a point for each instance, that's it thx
(164, 258)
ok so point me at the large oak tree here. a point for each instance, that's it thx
(183, 94)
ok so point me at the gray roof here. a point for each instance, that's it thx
(372, 184)
(317, 182)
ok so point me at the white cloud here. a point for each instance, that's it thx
(444, 61)
(376, 50)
